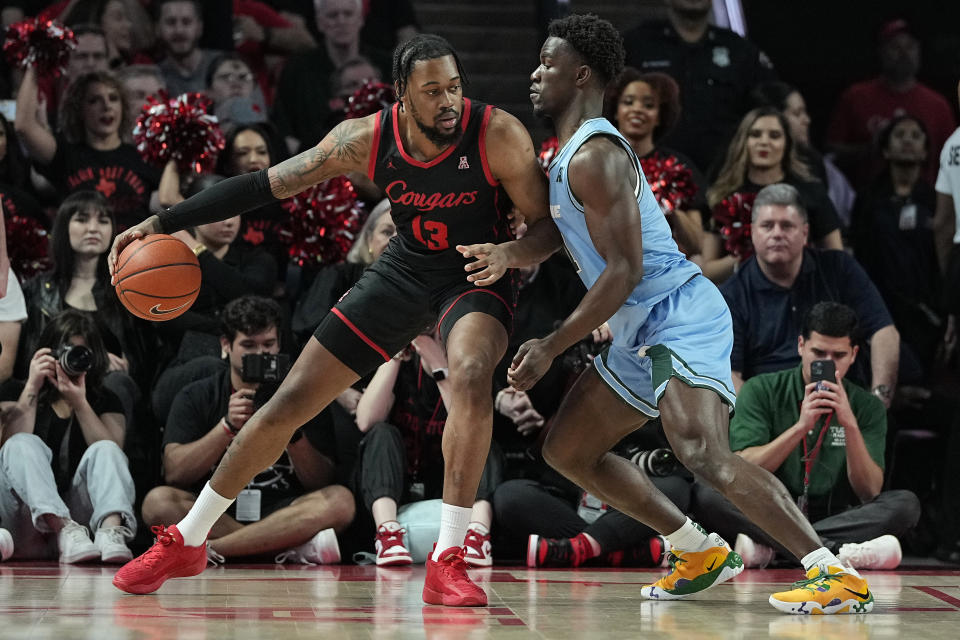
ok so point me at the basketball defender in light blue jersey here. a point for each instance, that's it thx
(671, 349)
(675, 323)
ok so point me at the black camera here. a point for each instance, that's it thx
(657, 463)
(264, 367)
(74, 359)
(821, 370)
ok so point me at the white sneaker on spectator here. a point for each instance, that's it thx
(214, 558)
(112, 542)
(754, 554)
(322, 548)
(6, 544)
(75, 544)
(880, 553)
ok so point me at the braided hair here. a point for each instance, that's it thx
(423, 46)
(595, 40)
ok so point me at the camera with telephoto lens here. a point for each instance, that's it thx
(74, 359)
(657, 463)
(264, 367)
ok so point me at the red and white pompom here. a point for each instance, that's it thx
(548, 151)
(28, 246)
(179, 129)
(734, 214)
(323, 222)
(44, 44)
(370, 98)
(670, 180)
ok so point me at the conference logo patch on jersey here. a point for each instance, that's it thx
(555, 211)
(463, 163)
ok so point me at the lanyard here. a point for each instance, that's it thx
(809, 459)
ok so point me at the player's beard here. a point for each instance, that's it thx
(434, 134)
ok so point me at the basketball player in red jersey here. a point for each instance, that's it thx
(451, 167)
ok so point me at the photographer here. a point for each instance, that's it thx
(291, 508)
(823, 437)
(61, 460)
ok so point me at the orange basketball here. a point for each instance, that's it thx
(157, 277)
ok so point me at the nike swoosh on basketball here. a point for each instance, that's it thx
(157, 311)
(862, 596)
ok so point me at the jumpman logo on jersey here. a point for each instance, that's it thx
(463, 163)
(390, 164)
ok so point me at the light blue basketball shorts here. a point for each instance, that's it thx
(687, 335)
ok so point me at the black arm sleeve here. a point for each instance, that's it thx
(223, 200)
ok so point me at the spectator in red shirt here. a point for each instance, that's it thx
(866, 108)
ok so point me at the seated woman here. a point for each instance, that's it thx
(62, 464)
(790, 102)
(644, 107)
(82, 233)
(762, 152)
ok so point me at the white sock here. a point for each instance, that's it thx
(822, 557)
(208, 508)
(689, 537)
(391, 525)
(454, 521)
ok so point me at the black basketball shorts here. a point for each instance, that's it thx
(393, 303)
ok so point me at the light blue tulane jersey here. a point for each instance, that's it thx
(665, 268)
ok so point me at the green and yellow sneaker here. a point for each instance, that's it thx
(695, 571)
(825, 591)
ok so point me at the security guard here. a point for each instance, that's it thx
(715, 68)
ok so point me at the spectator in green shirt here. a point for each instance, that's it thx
(786, 422)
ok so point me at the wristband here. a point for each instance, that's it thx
(226, 199)
(231, 431)
(200, 248)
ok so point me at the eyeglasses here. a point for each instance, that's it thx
(234, 77)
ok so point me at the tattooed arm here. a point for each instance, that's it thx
(346, 148)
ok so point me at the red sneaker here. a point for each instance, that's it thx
(167, 558)
(447, 582)
(477, 551)
(557, 552)
(391, 551)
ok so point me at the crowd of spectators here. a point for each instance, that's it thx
(850, 255)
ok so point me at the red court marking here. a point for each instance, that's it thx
(919, 609)
(940, 595)
(513, 622)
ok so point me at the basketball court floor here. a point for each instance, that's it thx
(264, 602)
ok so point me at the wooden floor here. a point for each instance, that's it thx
(75, 602)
